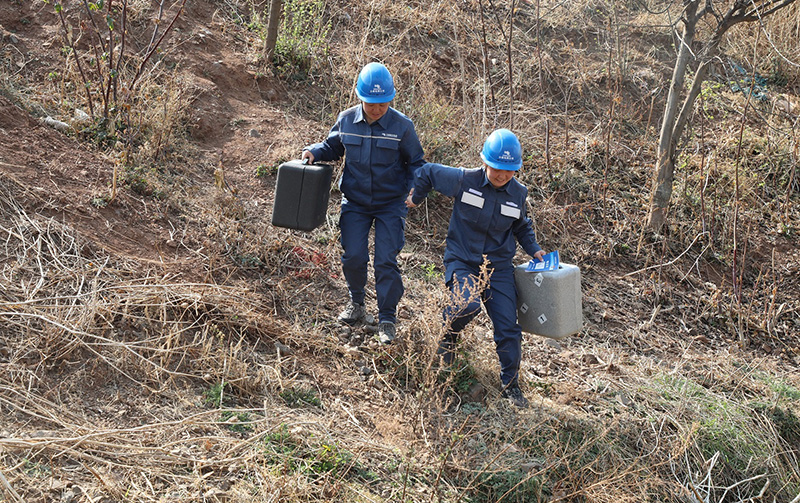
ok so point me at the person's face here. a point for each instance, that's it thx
(498, 177)
(374, 111)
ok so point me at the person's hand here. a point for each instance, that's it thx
(539, 255)
(409, 200)
(307, 155)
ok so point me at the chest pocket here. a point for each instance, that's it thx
(470, 205)
(386, 152)
(351, 141)
(510, 211)
(388, 144)
(505, 216)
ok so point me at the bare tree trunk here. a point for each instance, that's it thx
(665, 155)
(275, 10)
(674, 122)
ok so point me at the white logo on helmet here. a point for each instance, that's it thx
(506, 156)
(377, 89)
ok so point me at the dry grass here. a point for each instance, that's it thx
(109, 383)
(119, 384)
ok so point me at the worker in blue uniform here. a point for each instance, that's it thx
(381, 153)
(489, 217)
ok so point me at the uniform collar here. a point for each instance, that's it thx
(383, 121)
(486, 182)
(360, 114)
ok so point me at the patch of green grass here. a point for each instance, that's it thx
(510, 485)
(302, 38)
(782, 389)
(785, 421)
(263, 170)
(241, 423)
(249, 261)
(36, 469)
(675, 388)
(431, 273)
(545, 388)
(215, 396)
(136, 179)
(473, 408)
(281, 440)
(99, 201)
(723, 425)
(103, 132)
(329, 458)
(464, 377)
(282, 450)
(291, 454)
(295, 398)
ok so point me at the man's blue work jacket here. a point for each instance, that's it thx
(380, 158)
(485, 220)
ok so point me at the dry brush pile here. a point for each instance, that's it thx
(122, 384)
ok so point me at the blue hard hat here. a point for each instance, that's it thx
(375, 84)
(502, 150)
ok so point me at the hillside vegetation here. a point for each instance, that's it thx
(161, 341)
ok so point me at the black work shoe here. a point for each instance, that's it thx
(386, 332)
(447, 350)
(353, 313)
(514, 394)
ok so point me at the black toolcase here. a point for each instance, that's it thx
(301, 195)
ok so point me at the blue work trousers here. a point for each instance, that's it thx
(390, 223)
(500, 300)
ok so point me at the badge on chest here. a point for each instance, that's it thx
(475, 198)
(509, 209)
